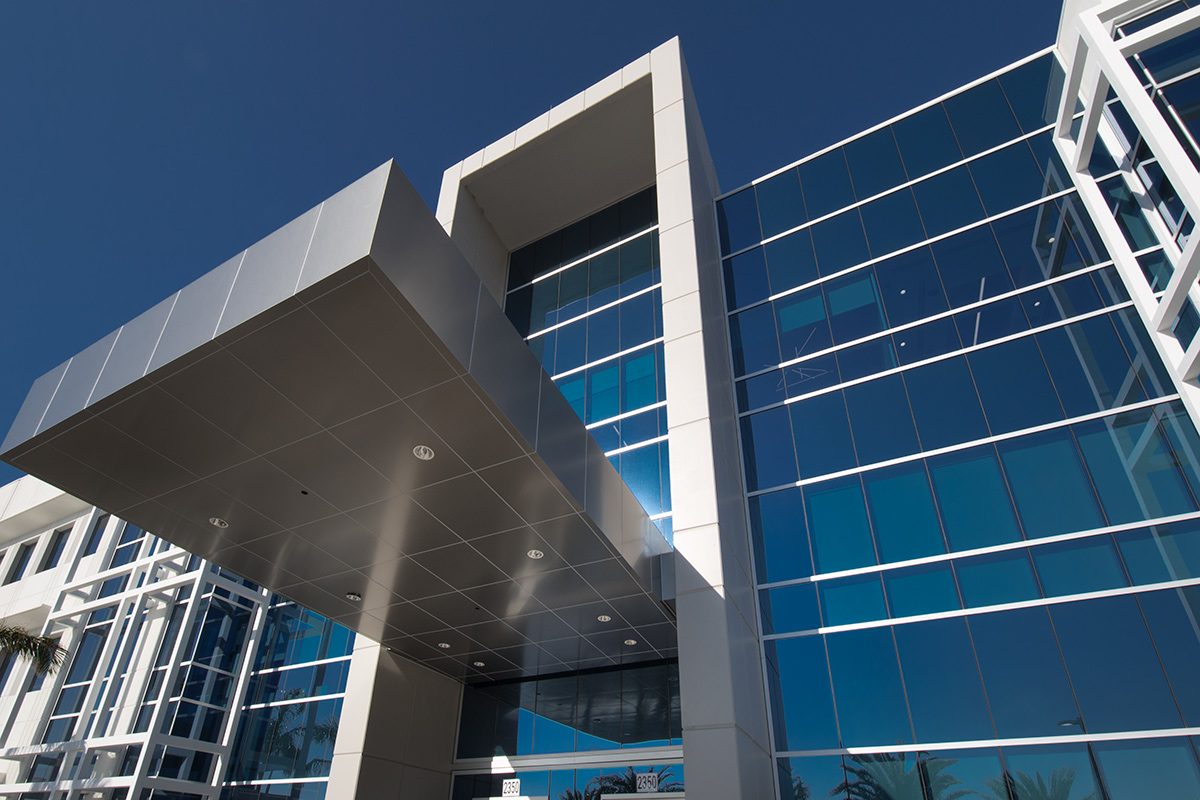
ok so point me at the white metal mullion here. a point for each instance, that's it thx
(1182, 279)
(1160, 32)
(238, 696)
(1128, 8)
(99, 722)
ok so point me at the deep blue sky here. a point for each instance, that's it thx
(145, 143)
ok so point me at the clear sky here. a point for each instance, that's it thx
(145, 143)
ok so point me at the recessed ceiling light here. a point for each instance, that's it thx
(631, 642)
(304, 492)
(423, 452)
(217, 522)
(535, 554)
(1050, 240)
(477, 663)
(604, 618)
(353, 596)
(444, 645)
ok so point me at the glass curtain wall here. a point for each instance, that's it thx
(972, 487)
(588, 300)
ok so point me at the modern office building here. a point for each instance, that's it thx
(877, 478)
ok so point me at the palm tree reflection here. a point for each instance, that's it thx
(621, 783)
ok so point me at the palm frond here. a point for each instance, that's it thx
(43, 651)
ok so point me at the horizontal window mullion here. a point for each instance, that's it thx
(593, 312)
(584, 259)
(606, 359)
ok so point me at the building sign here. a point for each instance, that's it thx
(647, 782)
(512, 787)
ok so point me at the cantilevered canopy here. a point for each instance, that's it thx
(289, 395)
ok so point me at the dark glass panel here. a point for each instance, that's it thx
(840, 242)
(874, 163)
(604, 228)
(547, 253)
(604, 333)
(571, 346)
(761, 390)
(826, 183)
(572, 292)
(1107, 650)
(637, 319)
(926, 341)
(575, 240)
(892, 222)
(822, 434)
(637, 212)
(780, 537)
(973, 499)
(544, 304)
(1014, 386)
(770, 454)
(641, 375)
(944, 403)
(1157, 269)
(838, 526)
(1186, 324)
(945, 695)
(1174, 57)
(1058, 771)
(997, 578)
(790, 608)
(866, 682)
(926, 141)
(906, 523)
(947, 201)
(737, 221)
(992, 321)
(911, 287)
(814, 777)
(1033, 93)
(1023, 239)
(867, 358)
(1098, 348)
(638, 262)
(1161, 553)
(604, 275)
(755, 343)
(1023, 671)
(1049, 485)
(1070, 359)
(881, 420)
(854, 306)
(791, 261)
(811, 375)
(1007, 178)
(604, 393)
(1172, 618)
(746, 279)
(846, 601)
(642, 471)
(1075, 567)
(1128, 213)
(780, 203)
(574, 390)
(981, 118)
(1133, 770)
(926, 589)
(971, 267)
(803, 327)
(803, 700)
(520, 267)
(518, 307)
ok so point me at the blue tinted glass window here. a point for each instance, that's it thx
(803, 327)
(945, 695)
(790, 608)
(1034, 770)
(641, 374)
(769, 452)
(1113, 481)
(973, 499)
(603, 333)
(780, 203)
(854, 306)
(1023, 238)
(840, 242)
(1148, 768)
(947, 201)
(993, 321)
(911, 287)
(971, 267)
(866, 682)
(926, 141)
(848, 600)
(570, 346)
(874, 163)
(604, 274)
(1033, 90)
(1007, 178)
(921, 590)
(822, 432)
(639, 259)
(926, 341)
(791, 261)
(638, 318)
(838, 527)
(1152, 467)
(981, 118)
(1128, 213)
(1171, 618)
(746, 279)
(1080, 384)
(1186, 324)
(880, 419)
(781, 538)
(1107, 650)
(892, 222)
(1084, 565)
(1014, 386)
(1049, 485)
(945, 404)
(818, 776)
(737, 221)
(761, 390)
(826, 183)
(996, 578)
(811, 375)
(755, 344)
(906, 523)
(1161, 553)
(803, 700)
(1023, 672)
(867, 358)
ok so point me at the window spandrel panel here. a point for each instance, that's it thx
(926, 141)
(637, 213)
(855, 308)
(880, 419)
(947, 201)
(822, 434)
(973, 498)
(803, 326)
(1049, 485)
(781, 540)
(927, 589)
(838, 527)
(780, 203)
(866, 682)
(996, 578)
(791, 261)
(845, 601)
(1162, 552)
(905, 520)
(892, 222)
(911, 287)
(840, 242)
(826, 183)
(945, 403)
(981, 118)
(802, 699)
(875, 164)
(941, 678)
(1075, 567)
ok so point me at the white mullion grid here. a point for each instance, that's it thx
(601, 423)
(1110, 412)
(606, 359)
(932, 359)
(862, 265)
(646, 443)
(892, 190)
(992, 609)
(1071, 738)
(316, 698)
(593, 311)
(241, 684)
(301, 665)
(584, 259)
(1176, 25)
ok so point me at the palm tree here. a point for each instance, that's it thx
(1026, 787)
(626, 782)
(589, 793)
(43, 651)
(887, 776)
